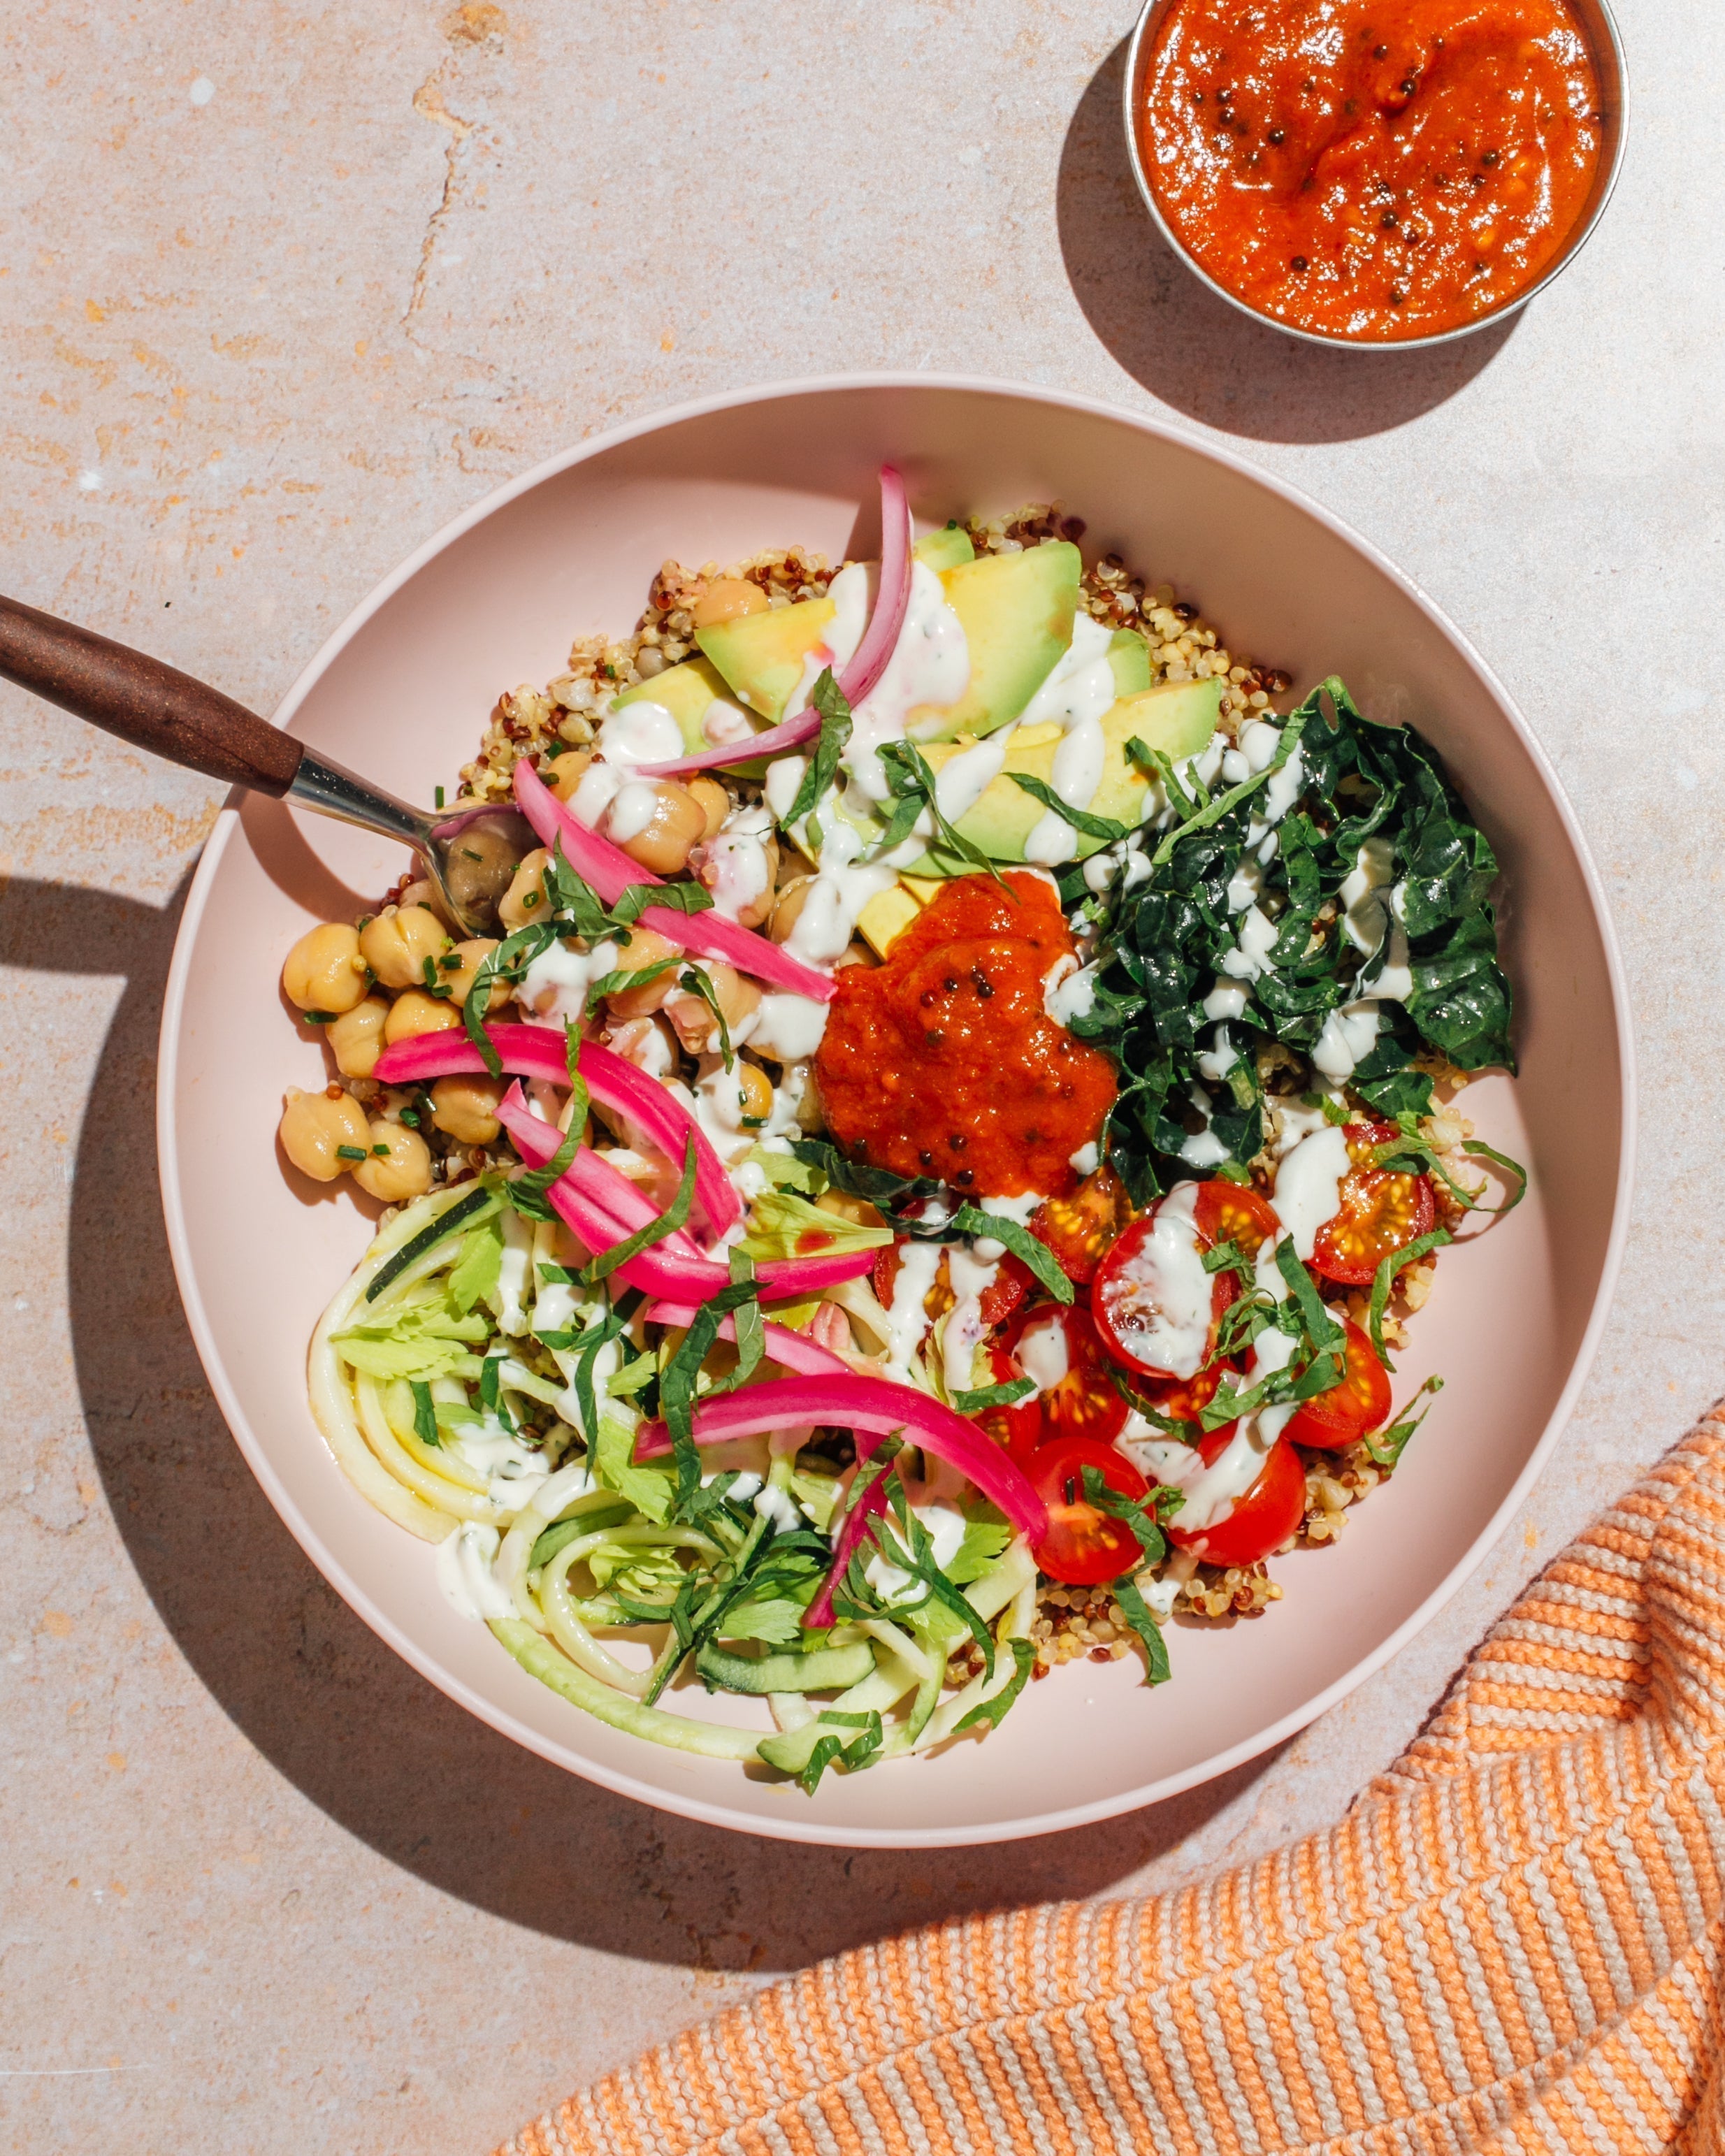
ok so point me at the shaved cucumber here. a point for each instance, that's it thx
(541, 1659)
(828, 1668)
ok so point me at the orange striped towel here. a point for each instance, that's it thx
(1511, 1944)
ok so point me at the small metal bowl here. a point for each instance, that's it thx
(1606, 47)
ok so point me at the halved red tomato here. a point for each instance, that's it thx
(1018, 1428)
(1233, 1212)
(1066, 1358)
(1183, 1400)
(1011, 1282)
(1332, 1420)
(1260, 1521)
(1378, 1212)
(1079, 1229)
(1083, 1545)
(1137, 1294)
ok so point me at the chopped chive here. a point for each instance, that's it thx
(438, 797)
(319, 1018)
(350, 1153)
(410, 1117)
(378, 1153)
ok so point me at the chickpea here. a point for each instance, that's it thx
(403, 1170)
(756, 1088)
(715, 803)
(565, 772)
(644, 949)
(524, 899)
(314, 1125)
(787, 907)
(460, 979)
(416, 1013)
(727, 599)
(396, 944)
(738, 997)
(664, 842)
(357, 1037)
(466, 1108)
(324, 971)
(426, 893)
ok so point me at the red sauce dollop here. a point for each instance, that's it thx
(1378, 169)
(943, 1062)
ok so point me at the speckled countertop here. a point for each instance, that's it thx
(282, 289)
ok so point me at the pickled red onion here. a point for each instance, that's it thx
(610, 871)
(539, 1051)
(790, 1350)
(880, 640)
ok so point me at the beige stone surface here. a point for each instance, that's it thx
(282, 289)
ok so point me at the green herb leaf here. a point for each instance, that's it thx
(990, 1713)
(698, 983)
(676, 1215)
(424, 1413)
(1388, 1446)
(973, 1220)
(1136, 1612)
(992, 1396)
(1383, 1283)
(351, 1153)
(1104, 828)
(834, 734)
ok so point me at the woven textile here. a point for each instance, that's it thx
(1511, 1944)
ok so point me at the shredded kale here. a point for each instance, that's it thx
(1163, 942)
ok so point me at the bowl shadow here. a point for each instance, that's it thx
(1191, 349)
(362, 1736)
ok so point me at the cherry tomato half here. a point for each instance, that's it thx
(1011, 1282)
(1130, 1291)
(1183, 1400)
(1079, 1229)
(1379, 1211)
(1261, 1520)
(1081, 1400)
(1018, 1428)
(1083, 1545)
(1332, 1420)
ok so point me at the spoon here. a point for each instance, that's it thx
(470, 855)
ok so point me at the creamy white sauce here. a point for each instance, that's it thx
(1220, 1058)
(946, 1533)
(1365, 910)
(631, 810)
(963, 1330)
(1298, 1121)
(963, 779)
(823, 929)
(907, 1321)
(1227, 999)
(1069, 990)
(788, 1027)
(514, 1272)
(1201, 1148)
(1042, 1353)
(465, 1575)
(929, 670)
(1164, 1317)
(1307, 1185)
(734, 865)
(1211, 1493)
(1251, 958)
(724, 722)
(555, 985)
(1346, 1039)
(639, 732)
(1087, 1159)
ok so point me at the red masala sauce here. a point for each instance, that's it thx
(943, 1062)
(1378, 169)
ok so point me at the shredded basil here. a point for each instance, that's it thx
(973, 1220)
(1104, 828)
(990, 1713)
(1388, 1445)
(824, 765)
(1383, 1283)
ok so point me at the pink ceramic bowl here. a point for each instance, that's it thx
(402, 692)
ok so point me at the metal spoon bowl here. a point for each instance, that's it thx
(470, 855)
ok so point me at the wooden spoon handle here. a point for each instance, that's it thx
(152, 706)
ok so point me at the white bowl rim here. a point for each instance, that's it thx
(793, 1827)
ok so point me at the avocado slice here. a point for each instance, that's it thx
(762, 656)
(686, 692)
(1017, 612)
(945, 549)
(1129, 662)
(1178, 716)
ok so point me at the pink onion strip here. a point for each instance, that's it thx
(610, 871)
(539, 1051)
(591, 1177)
(790, 1350)
(880, 640)
(852, 1528)
(674, 1270)
(875, 1405)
